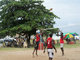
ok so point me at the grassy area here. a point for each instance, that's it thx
(56, 45)
(14, 49)
(69, 45)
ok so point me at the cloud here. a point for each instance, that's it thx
(70, 25)
(68, 11)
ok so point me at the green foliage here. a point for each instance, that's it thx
(50, 31)
(24, 16)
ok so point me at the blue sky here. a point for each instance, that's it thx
(68, 11)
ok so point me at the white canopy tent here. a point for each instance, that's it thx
(77, 37)
(55, 37)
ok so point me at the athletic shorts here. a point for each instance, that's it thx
(37, 45)
(50, 53)
(61, 45)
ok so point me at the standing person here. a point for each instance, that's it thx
(50, 46)
(37, 42)
(62, 42)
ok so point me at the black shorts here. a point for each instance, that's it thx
(37, 45)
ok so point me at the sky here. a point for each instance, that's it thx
(69, 13)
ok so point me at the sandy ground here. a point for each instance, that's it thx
(70, 54)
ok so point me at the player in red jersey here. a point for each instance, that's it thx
(62, 42)
(50, 46)
(36, 42)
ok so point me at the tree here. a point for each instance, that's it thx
(24, 16)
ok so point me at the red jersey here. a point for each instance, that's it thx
(49, 43)
(62, 39)
(37, 37)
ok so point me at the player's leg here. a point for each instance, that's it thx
(62, 49)
(36, 53)
(33, 52)
(37, 48)
(50, 58)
